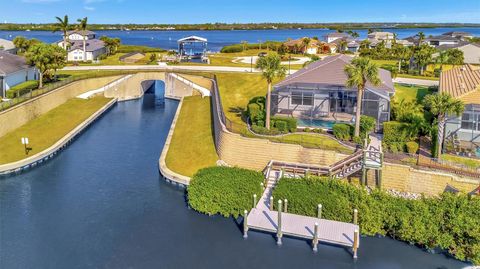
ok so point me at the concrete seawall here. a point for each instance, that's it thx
(53, 150)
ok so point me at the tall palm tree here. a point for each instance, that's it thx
(343, 45)
(421, 37)
(359, 72)
(442, 58)
(82, 26)
(62, 25)
(305, 43)
(441, 105)
(271, 68)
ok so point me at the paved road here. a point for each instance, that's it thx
(414, 81)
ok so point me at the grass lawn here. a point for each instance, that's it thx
(48, 128)
(192, 146)
(115, 60)
(468, 162)
(411, 93)
(314, 141)
(417, 77)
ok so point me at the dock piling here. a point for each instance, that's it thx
(279, 223)
(285, 205)
(245, 224)
(319, 211)
(254, 200)
(271, 203)
(355, 244)
(355, 216)
(315, 238)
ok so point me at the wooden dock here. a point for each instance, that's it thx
(264, 218)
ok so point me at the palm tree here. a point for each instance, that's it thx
(421, 37)
(442, 58)
(62, 25)
(271, 68)
(359, 72)
(305, 42)
(82, 25)
(441, 105)
(343, 45)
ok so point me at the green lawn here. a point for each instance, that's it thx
(314, 141)
(192, 146)
(468, 162)
(411, 93)
(48, 128)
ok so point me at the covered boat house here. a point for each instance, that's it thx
(192, 47)
(318, 98)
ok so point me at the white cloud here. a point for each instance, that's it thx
(89, 8)
(40, 1)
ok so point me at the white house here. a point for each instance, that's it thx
(7, 45)
(329, 38)
(381, 36)
(440, 40)
(94, 47)
(459, 35)
(14, 70)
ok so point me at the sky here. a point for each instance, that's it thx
(241, 11)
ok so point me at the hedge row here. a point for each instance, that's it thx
(397, 139)
(257, 115)
(22, 88)
(224, 190)
(344, 131)
(450, 222)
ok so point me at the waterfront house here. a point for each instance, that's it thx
(299, 46)
(94, 48)
(381, 36)
(345, 44)
(317, 94)
(329, 38)
(463, 83)
(13, 71)
(440, 40)
(459, 35)
(132, 57)
(8, 46)
(471, 51)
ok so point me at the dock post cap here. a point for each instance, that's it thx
(279, 201)
(316, 223)
(245, 211)
(355, 210)
(319, 205)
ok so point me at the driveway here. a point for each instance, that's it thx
(415, 81)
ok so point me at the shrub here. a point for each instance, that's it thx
(342, 131)
(450, 221)
(224, 190)
(358, 140)
(412, 147)
(264, 131)
(291, 122)
(395, 132)
(232, 48)
(255, 113)
(281, 125)
(367, 125)
(434, 137)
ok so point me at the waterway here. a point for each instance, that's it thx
(101, 203)
(218, 39)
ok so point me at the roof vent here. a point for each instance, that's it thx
(463, 68)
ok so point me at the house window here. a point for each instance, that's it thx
(302, 98)
(470, 120)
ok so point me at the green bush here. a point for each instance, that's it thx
(255, 113)
(22, 88)
(291, 122)
(281, 125)
(412, 147)
(395, 132)
(450, 221)
(434, 137)
(342, 131)
(264, 131)
(367, 125)
(224, 190)
(232, 48)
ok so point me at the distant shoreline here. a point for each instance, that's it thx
(243, 27)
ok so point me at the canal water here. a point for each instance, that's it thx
(101, 203)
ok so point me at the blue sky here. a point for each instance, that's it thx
(195, 11)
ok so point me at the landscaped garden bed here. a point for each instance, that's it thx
(448, 222)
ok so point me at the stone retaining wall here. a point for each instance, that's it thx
(19, 115)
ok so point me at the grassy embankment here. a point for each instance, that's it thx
(411, 93)
(192, 147)
(48, 128)
(237, 89)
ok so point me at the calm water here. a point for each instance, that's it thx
(101, 203)
(218, 39)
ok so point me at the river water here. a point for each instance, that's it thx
(101, 203)
(218, 39)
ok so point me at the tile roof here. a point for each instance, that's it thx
(330, 71)
(6, 44)
(335, 34)
(91, 44)
(81, 32)
(441, 38)
(10, 63)
(460, 80)
(458, 45)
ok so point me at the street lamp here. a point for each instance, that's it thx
(25, 144)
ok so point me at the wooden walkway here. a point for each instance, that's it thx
(332, 232)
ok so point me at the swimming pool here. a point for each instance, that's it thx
(316, 123)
